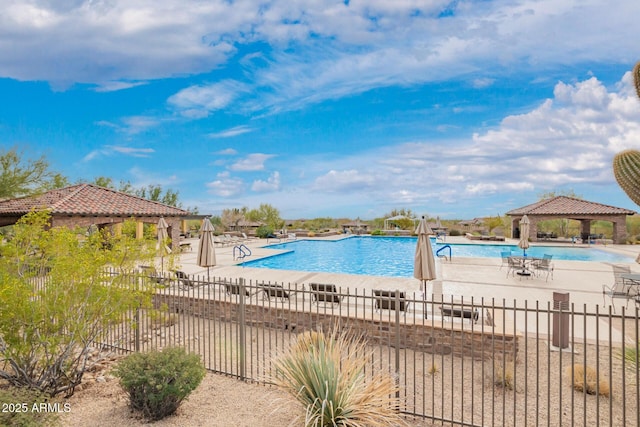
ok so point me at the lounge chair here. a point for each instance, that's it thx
(184, 282)
(274, 290)
(235, 289)
(151, 272)
(461, 311)
(620, 289)
(386, 300)
(323, 292)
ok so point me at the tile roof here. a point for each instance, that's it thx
(563, 205)
(88, 199)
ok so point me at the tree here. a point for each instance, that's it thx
(555, 193)
(56, 300)
(19, 177)
(266, 214)
(231, 217)
(151, 192)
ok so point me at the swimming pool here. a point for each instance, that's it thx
(393, 256)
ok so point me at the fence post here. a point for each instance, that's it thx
(561, 320)
(137, 320)
(242, 331)
(397, 364)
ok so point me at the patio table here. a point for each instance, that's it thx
(526, 263)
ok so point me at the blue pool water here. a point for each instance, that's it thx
(393, 256)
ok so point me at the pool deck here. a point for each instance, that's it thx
(460, 277)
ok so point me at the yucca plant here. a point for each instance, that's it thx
(325, 373)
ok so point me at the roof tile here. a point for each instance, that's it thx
(88, 199)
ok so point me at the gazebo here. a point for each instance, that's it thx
(87, 205)
(571, 208)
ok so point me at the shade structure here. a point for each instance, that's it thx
(206, 251)
(524, 235)
(424, 265)
(163, 237)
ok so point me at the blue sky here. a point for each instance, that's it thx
(327, 108)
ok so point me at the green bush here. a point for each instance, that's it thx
(455, 232)
(23, 407)
(158, 381)
(377, 233)
(264, 231)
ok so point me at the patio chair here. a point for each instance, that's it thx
(323, 292)
(505, 258)
(543, 265)
(513, 265)
(620, 289)
(386, 300)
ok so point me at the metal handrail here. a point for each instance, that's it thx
(443, 248)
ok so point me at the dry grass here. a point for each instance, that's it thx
(586, 379)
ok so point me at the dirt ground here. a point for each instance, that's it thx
(218, 401)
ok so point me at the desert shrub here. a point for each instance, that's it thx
(158, 381)
(21, 412)
(161, 317)
(325, 373)
(377, 232)
(630, 355)
(47, 331)
(455, 232)
(504, 374)
(264, 231)
(585, 379)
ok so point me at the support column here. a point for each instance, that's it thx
(139, 230)
(585, 229)
(117, 229)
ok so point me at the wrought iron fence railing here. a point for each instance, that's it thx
(462, 361)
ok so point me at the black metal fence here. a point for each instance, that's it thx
(465, 362)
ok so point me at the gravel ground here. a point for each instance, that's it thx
(218, 401)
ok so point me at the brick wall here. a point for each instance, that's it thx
(483, 340)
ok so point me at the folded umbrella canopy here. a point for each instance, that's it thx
(424, 265)
(524, 235)
(206, 251)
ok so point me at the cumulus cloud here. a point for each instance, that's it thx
(225, 185)
(344, 180)
(567, 141)
(271, 184)
(253, 162)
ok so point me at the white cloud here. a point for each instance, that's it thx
(199, 101)
(271, 184)
(253, 162)
(225, 185)
(565, 142)
(227, 152)
(344, 180)
(110, 150)
(234, 131)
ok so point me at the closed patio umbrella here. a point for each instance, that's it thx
(163, 236)
(206, 251)
(524, 235)
(424, 265)
(524, 242)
